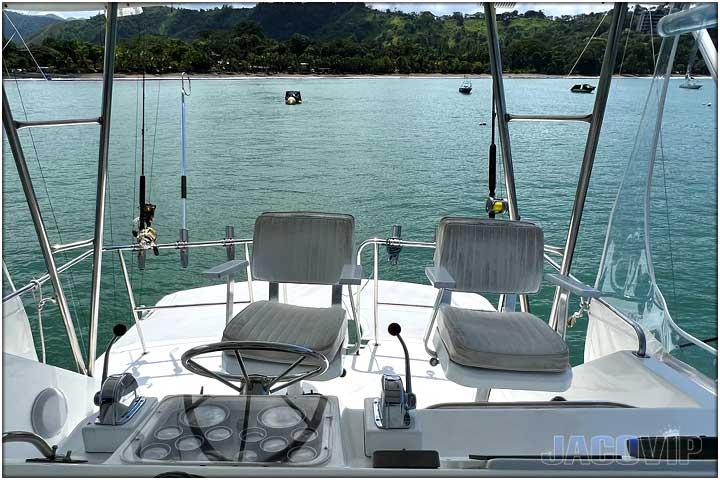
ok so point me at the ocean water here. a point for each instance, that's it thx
(386, 150)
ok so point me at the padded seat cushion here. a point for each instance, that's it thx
(320, 329)
(512, 341)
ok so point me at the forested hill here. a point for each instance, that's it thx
(27, 25)
(335, 38)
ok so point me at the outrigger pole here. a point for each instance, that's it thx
(108, 71)
(183, 170)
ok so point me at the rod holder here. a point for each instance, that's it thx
(229, 235)
(393, 250)
(184, 249)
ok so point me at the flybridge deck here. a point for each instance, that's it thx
(608, 398)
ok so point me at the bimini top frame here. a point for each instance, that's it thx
(560, 303)
(595, 119)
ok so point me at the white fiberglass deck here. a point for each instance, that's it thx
(169, 332)
(670, 402)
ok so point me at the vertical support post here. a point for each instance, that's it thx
(43, 240)
(108, 71)
(376, 286)
(558, 314)
(229, 235)
(503, 130)
(358, 333)
(131, 297)
(708, 52)
(251, 295)
(230, 300)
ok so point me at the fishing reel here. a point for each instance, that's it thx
(145, 235)
(496, 206)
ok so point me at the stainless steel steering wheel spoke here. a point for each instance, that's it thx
(255, 383)
(246, 383)
(214, 375)
(285, 372)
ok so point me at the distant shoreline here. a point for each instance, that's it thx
(250, 76)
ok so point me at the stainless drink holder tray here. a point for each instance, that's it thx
(252, 430)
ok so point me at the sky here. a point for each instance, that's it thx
(439, 8)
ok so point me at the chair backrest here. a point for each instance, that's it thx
(490, 256)
(302, 247)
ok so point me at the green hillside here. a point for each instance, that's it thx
(337, 38)
(27, 25)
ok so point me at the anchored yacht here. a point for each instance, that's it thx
(300, 363)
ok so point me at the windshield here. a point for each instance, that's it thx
(639, 256)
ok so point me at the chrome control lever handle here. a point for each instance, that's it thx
(396, 403)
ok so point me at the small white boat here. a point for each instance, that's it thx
(690, 83)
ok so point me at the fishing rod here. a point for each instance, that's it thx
(183, 169)
(145, 234)
(492, 159)
(493, 206)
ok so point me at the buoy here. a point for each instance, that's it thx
(291, 101)
(482, 124)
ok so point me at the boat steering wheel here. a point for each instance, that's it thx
(257, 384)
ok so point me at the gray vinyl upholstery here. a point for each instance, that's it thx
(320, 329)
(490, 256)
(302, 247)
(512, 341)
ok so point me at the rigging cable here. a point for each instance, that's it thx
(155, 129)
(26, 46)
(652, 40)
(662, 163)
(72, 286)
(627, 39)
(8, 42)
(40, 302)
(587, 44)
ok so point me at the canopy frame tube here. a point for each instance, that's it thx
(43, 239)
(100, 198)
(558, 313)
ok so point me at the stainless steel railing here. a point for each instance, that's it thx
(375, 242)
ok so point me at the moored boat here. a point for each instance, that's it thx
(582, 88)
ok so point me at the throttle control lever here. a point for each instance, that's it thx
(396, 403)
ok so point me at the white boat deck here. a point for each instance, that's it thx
(670, 403)
(169, 332)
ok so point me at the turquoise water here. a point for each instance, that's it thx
(387, 150)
